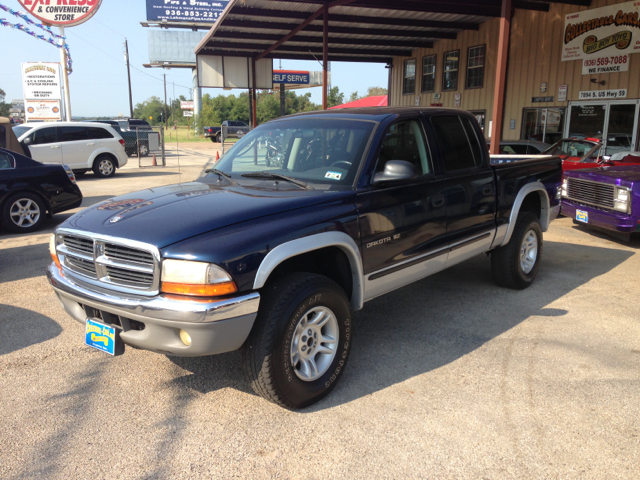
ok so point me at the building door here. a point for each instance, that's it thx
(614, 122)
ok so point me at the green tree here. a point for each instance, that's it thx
(354, 96)
(149, 110)
(4, 107)
(376, 91)
(334, 97)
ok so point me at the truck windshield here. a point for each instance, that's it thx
(322, 152)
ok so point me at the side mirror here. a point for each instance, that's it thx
(27, 141)
(395, 170)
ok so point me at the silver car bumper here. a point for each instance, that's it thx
(215, 326)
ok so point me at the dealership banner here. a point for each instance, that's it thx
(607, 31)
(41, 81)
(42, 110)
(206, 11)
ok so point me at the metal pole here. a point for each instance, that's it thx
(283, 96)
(65, 78)
(253, 82)
(501, 76)
(126, 56)
(325, 53)
(251, 119)
(389, 81)
(166, 120)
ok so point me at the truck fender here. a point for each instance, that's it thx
(315, 242)
(545, 210)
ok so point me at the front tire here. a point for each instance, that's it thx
(516, 264)
(104, 167)
(301, 341)
(23, 213)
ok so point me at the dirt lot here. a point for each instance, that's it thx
(451, 377)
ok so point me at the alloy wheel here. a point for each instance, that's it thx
(529, 251)
(24, 212)
(314, 343)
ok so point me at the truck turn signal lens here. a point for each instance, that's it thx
(53, 252)
(215, 290)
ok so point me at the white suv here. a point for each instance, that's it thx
(81, 145)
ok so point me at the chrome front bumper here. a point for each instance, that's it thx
(215, 326)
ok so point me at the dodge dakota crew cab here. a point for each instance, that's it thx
(275, 259)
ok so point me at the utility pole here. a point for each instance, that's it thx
(166, 120)
(65, 77)
(126, 59)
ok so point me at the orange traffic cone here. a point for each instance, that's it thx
(217, 156)
(154, 160)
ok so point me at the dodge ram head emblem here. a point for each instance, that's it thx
(115, 219)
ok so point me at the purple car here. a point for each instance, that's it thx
(605, 197)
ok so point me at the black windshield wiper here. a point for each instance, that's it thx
(218, 172)
(276, 176)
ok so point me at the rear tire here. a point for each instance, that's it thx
(23, 213)
(143, 149)
(218, 138)
(104, 166)
(301, 340)
(516, 264)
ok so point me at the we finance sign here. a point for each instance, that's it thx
(63, 13)
(291, 77)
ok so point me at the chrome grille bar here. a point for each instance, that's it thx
(110, 262)
(591, 193)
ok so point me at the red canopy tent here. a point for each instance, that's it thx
(375, 101)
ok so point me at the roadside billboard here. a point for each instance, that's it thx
(62, 13)
(600, 32)
(42, 110)
(205, 11)
(41, 81)
(186, 104)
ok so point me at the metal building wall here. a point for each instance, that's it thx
(534, 58)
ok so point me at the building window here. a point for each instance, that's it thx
(450, 71)
(429, 73)
(409, 84)
(543, 124)
(481, 116)
(475, 67)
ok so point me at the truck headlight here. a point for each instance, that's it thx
(621, 200)
(184, 277)
(53, 251)
(565, 188)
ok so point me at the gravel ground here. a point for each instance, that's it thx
(451, 377)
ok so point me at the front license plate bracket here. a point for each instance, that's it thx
(103, 337)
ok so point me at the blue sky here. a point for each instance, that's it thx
(98, 84)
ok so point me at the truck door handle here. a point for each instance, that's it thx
(437, 201)
(90, 143)
(55, 146)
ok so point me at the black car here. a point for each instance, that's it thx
(30, 190)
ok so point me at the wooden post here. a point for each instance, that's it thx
(501, 76)
(325, 53)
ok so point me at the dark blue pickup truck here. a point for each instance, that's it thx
(274, 257)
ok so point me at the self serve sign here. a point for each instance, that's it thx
(291, 77)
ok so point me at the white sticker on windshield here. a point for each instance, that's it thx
(333, 175)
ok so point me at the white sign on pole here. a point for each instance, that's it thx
(41, 81)
(186, 105)
(612, 64)
(62, 13)
(603, 94)
(187, 113)
(42, 110)
(600, 31)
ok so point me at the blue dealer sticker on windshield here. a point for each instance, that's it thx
(333, 175)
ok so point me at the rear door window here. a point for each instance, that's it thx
(6, 161)
(73, 134)
(98, 133)
(44, 136)
(458, 142)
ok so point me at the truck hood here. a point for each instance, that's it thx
(166, 215)
(624, 176)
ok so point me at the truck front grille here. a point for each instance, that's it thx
(107, 262)
(591, 193)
